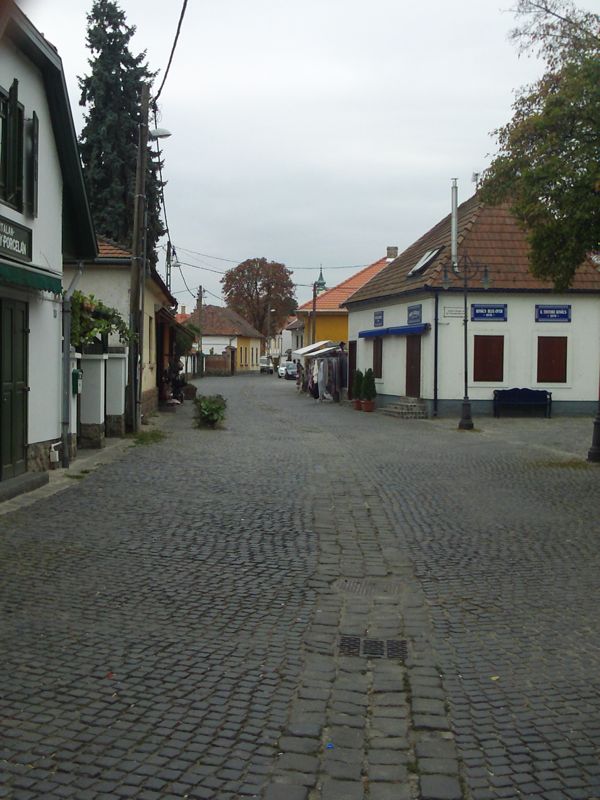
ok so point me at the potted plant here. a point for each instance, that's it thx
(357, 384)
(369, 392)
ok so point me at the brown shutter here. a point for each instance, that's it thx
(552, 359)
(31, 164)
(377, 357)
(488, 358)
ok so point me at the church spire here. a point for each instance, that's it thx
(320, 284)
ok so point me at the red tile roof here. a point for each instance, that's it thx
(110, 249)
(331, 299)
(220, 321)
(488, 235)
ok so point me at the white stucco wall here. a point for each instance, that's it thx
(45, 321)
(520, 332)
(47, 227)
(218, 343)
(108, 284)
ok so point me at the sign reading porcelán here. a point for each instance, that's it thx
(15, 240)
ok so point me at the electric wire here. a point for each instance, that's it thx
(293, 269)
(185, 2)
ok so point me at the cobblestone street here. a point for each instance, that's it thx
(309, 604)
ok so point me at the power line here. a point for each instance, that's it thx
(293, 269)
(199, 266)
(183, 278)
(185, 2)
(205, 255)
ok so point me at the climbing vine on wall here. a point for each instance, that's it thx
(92, 320)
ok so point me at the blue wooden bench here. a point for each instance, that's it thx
(523, 399)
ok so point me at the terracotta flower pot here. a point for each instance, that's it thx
(357, 405)
(368, 405)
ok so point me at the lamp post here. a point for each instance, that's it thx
(269, 312)
(465, 269)
(138, 261)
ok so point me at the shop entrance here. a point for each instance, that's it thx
(413, 366)
(13, 383)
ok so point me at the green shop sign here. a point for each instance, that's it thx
(15, 240)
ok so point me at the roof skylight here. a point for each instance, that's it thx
(424, 261)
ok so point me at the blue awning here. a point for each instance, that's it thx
(374, 332)
(409, 330)
(401, 330)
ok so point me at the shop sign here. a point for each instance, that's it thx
(415, 315)
(378, 319)
(453, 311)
(15, 240)
(545, 313)
(486, 312)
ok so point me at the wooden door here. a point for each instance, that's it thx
(413, 366)
(13, 383)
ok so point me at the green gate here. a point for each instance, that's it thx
(13, 383)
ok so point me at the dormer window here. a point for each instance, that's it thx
(424, 261)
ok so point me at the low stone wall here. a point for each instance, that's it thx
(38, 456)
(115, 425)
(91, 435)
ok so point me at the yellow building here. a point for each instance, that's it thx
(330, 321)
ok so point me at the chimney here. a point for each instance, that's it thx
(183, 309)
(392, 253)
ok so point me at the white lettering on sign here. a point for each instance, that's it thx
(14, 245)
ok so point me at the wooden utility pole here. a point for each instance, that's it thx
(199, 307)
(136, 352)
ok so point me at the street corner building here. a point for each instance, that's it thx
(408, 322)
(44, 217)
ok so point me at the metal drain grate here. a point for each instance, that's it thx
(368, 587)
(373, 648)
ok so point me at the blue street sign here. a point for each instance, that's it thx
(378, 319)
(545, 313)
(414, 315)
(480, 312)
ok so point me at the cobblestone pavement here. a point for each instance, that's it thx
(171, 623)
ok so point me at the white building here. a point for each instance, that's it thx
(44, 216)
(520, 333)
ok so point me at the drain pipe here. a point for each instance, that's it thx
(66, 365)
(436, 342)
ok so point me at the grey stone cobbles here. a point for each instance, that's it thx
(173, 626)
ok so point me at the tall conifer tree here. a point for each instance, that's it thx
(108, 141)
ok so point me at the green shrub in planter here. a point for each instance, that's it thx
(357, 384)
(210, 410)
(369, 392)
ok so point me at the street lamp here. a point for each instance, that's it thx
(269, 312)
(467, 268)
(138, 260)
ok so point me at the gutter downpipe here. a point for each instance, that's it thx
(66, 365)
(436, 353)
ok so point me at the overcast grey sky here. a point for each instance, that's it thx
(313, 132)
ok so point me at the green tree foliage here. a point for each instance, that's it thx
(548, 165)
(92, 320)
(109, 139)
(257, 285)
